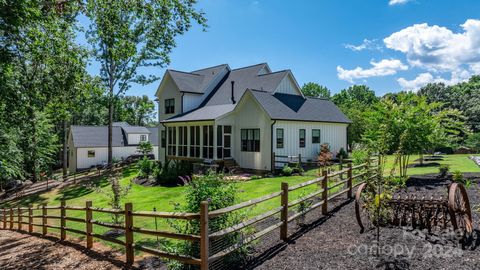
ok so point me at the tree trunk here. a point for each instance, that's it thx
(110, 126)
(65, 152)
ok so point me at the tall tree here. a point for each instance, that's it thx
(315, 90)
(127, 36)
(139, 111)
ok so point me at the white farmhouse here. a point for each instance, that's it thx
(88, 145)
(219, 114)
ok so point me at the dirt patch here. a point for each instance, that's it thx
(24, 251)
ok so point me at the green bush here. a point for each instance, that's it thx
(360, 156)
(211, 187)
(145, 167)
(342, 154)
(443, 170)
(457, 176)
(171, 170)
(287, 170)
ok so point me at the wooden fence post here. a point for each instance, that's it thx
(44, 220)
(11, 218)
(19, 218)
(284, 213)
(4, 218)
(30, 219)
(88, 223)
(63, 234)
(204, 236)
(350, 181)
(129, 252)
(325, 192)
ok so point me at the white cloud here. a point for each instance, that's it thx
(367, 44)
(383, 68)
(438, 49)
(426, 78)
(397, 2)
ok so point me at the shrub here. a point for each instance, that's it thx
(171, 170)
(219, 193)
(457, 176)
(145, 148)
(303, 206)
(145, 167)
(443, 170)
(359, 156)
(325, 156)
(287, 170)
(342, 154)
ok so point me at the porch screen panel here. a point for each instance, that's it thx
(195, 141)
(172, 141)
(182, 141)
(219, 142)
(207, 141)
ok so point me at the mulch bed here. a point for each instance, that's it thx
(334, 241)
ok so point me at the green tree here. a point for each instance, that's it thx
(145, 148)
(126, 37)
(473, 141)
(356, 102)
(315, 90)
(138, 111)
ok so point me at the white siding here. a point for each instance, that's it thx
(168, 91)
(191, 101)
(135, 138)
(335, 134)
(288, 86)
(248, 114)
(101, 155)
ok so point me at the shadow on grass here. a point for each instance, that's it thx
(75, 191)
(25, 201)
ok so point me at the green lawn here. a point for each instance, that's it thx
(456, 162)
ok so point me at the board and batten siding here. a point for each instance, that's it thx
(335, 134)
(287, 86)
(248, 115)
(135, 138)
(101, 155)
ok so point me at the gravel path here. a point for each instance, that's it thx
(23, 251)
(334, 242)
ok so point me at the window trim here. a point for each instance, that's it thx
(319, 136)
(280, 145)
(301, 143)
(143, 137)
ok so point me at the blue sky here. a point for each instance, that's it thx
(388, 45)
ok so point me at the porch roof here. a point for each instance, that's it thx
(202, 114)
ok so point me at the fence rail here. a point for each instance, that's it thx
(330, 186)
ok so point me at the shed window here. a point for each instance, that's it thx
(279, 137)
(301, 137)
(250, 140)
(315, 135)
(169, 106)
(91, 153)
(143, 138)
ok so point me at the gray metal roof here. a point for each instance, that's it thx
(281, 106)
(203, 113)
(97, 136)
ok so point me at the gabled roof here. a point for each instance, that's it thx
(97, 136)
(136, 130)
(196, 81)
(280, 106)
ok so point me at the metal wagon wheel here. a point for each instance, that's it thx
(459, 208)
(361, 211)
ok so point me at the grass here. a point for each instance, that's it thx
(456, 162)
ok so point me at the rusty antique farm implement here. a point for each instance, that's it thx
(422, 211)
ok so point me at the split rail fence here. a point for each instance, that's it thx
(329, 186)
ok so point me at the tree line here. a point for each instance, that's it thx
(44, 83)
(437, 117)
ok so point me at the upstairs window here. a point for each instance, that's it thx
(91, 153)
(301, 137)
(315, 135)
(143, 138)
(279, 137)
(250, 140)
(169, 106)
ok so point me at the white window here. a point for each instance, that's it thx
(143, 138)
(91, 153)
